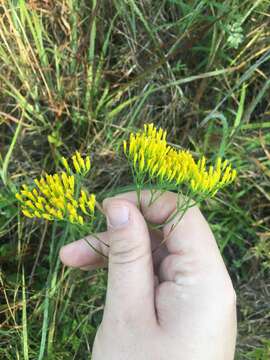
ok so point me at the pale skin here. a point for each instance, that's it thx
(176, 303)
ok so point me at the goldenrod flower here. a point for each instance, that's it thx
(81, 165)
(60, 196)
(209, 181)
(150, 155)
(146, 150)
(176, 167)
(87, 203)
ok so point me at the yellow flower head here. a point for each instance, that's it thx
(177, 167)
(81, 165)
(208, 181)
(146, 150)
(149, 154)
(54, 197)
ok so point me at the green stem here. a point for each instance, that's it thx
(173, 216)
(94, 248)
(185, 208)
(153, 198)
(138, 193)
(4, 170)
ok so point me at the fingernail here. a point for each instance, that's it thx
(117, 216)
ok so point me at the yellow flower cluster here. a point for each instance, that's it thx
(147, 149)
(81, 166)
(59, 197)
(150, 154)
(210, 181)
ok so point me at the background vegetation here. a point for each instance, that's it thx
(82, 74)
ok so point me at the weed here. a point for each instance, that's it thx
(81, 75)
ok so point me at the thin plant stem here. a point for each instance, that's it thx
(153, 199)
(100, 208)
(173, 216)
(38, 253)
(174, 225)
(94, 248)
(138, 193)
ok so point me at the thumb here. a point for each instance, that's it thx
(130, 291)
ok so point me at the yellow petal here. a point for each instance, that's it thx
(80, 220)
(47, 217)
(76, 165)
(65, 163)
(125, 146)
(37, 214)
(87, 163)
(27, 213)
(19, 197)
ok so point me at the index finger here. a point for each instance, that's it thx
(191, 235)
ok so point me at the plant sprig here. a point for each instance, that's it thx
(62, 196)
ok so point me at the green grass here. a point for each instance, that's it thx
(81, 75)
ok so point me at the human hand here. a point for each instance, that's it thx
(177, 303)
